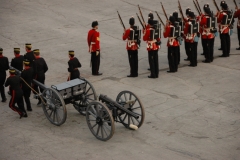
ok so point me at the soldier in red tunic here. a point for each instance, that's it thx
(237, 15)
(172, 45)
(224, 31)
(132, 48)
(94, 48)
(186, 44)
(152, 46)
(190, 36)
(207, 36)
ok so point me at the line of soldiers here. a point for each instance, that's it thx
(190, 29)
(31, 66)
(34, 67)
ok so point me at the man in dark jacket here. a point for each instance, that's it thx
(73, 65)
(14, 82)
(4, 65)
(40, 68)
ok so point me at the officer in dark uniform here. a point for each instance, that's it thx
(73, 65)
(40, 68)
(177, 19)
(29, 55)
(14, 82)
(27, 76)
(17, 62)
(4, 65)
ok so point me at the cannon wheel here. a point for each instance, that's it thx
(54, 107)
(100, 121)
(88, 96)
(130, 101)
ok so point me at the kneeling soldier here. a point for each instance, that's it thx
(73, 65)
(14, 82)
(27, 76)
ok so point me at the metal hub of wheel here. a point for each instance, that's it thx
(100, 121)
(131, 102)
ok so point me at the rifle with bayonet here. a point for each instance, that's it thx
(120, 19)
(215, 4)
(140, 21)
(160, 18)
(196, 7)
(234, 1)
(180, 10)
(164, 11)
(141, 15)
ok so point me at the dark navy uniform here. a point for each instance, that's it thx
(17, 93)
(29, 56)
(4, 65)
(27, 75)
(73, 65)
(17, 62)
(40, 68)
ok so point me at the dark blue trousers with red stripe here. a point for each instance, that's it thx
(17, 97)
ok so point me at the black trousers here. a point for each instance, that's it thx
(17, 98)
(2, 81)
(178, 54)
(153, 61)
(173, 58)
(187, 49)
(75, 74)
(202, 40)
(41, 79)
(220, 39)
(26, 95)
(193, 53)
(133, 62)
(238, 30)
(226, 43)
(208, 47)
(95, 59)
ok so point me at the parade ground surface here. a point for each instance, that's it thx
(191, 114)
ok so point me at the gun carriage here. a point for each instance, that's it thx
(100, 115)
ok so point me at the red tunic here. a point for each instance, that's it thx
(172, 41)
(237, 15)
(131, 45)
(188, 37)
(151, 45)
(93, 40)
(223, 28)
(206, 34)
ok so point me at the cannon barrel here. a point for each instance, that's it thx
(108, 100)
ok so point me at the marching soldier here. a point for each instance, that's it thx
(224, 31)
(175, 15)
(200, 17)
(29, 55)
(190, 36)
(94, 48)
(152, 46)
(17, 62)
(222, 2)
(207, 36)
(132, 49)
(27, 76)
(4, 66)
(14, 82)
(73, 65)
(172, 45)
(186, 43)
(40, 68)
(237, 15)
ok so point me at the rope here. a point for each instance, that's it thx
(33, 90)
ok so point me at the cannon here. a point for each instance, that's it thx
(101, 115)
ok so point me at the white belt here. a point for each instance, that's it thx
(149, 43)
(223, 27)
(130, 43)
(206, 31)
(171, 40)
(93, 43)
